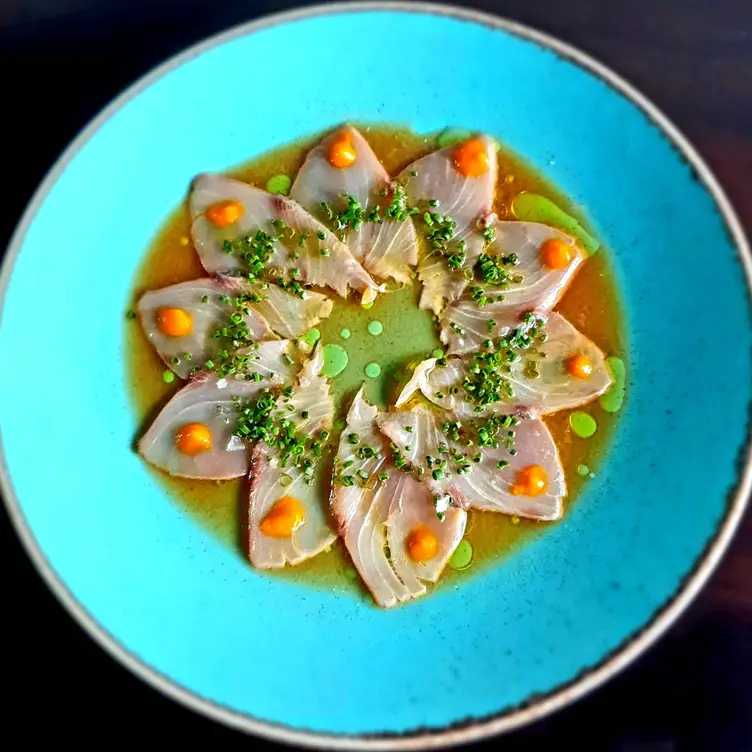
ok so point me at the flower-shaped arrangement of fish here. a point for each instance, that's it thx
(466, 430)
(287, 519)
(195, 434)
(378, 507)
(343, 184)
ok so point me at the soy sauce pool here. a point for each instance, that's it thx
(407, 335)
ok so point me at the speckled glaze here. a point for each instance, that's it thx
(322, 668)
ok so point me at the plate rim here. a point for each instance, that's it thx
(472, 729)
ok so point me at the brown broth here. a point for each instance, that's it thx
(591, 304)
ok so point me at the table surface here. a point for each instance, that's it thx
(62, 60)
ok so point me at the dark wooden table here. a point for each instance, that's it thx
(62, 60)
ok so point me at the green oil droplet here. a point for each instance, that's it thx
(373, 370)
(583, 470)
(583, 425)
(335, 361)
(345, 334)
(533, 208)
(279, 184)
(452, 136)
(462, 556)
(168, 377)
(375, 328)
(613, 399)
(437, 353)
(311, 337)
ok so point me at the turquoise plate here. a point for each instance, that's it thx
(321, 668)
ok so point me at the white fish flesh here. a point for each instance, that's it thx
(209, 304)
(376, 513)
(212, 402)
(539, 380)
(531, 284)
(305, 245)
(273, 478)
(386, 247)
(470, 476)
(466, 201)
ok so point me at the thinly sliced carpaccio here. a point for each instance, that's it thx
(532, 286)
(271, 481)
(387, 248)
(208, 305)
(466, 200)
(374, 513)
(211, 403)
(418, 435)
(306, 245)
(291, 315)
(552, 389)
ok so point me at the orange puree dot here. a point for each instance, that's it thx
(555, 253)
(580, 367)
(422, 544)
(284, 518)
(174, 322)
(471, 158)
(530, 481)
(341, 151)
(224, 213)
(193, 438)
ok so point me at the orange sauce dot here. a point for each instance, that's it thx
(555, 253)
(580, 367)
(224, 213)
(471, 158)
(174, 322)
(530, 481)
(341, 151)
(193, 438)
(284, 518)
(422, 544)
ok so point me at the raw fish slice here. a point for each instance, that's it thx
(207, 317)
(374, 513)
(211, 402)
(533, 286)
(337, 270)
(464, 200)
(485, 485)
(271, 480)
(291, 315)
(411, 507)
(552, 390)
(387, 248)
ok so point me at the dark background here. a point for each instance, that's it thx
(62, 60)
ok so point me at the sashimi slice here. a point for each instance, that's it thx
(209, 305)
(273, 477)
(539, 380)
(381, 509)
(436, 186)
(386, 247)
(212, 403)
(474, 476)
(531, 284)
(300, 249)
(291, 315)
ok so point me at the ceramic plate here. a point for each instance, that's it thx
(324, 668)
